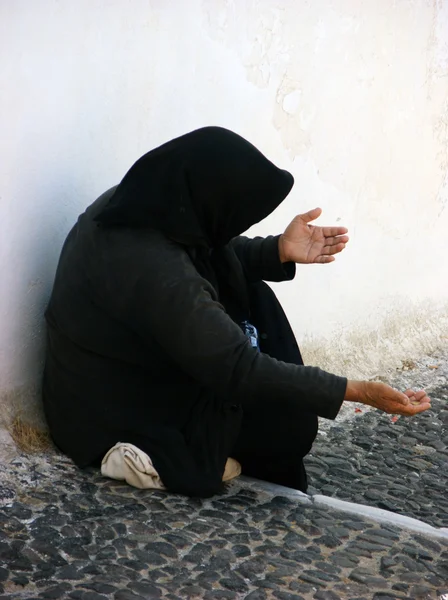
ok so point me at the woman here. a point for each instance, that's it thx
(162, 334)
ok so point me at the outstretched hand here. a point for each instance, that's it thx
(385, 398)
(305, 243)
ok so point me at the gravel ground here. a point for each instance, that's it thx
(71, 534)
(401, 466)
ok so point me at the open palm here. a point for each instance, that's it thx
(305, 243)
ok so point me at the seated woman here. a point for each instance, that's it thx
(167, 353)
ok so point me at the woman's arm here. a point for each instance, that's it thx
(260, 259)
(157, 292)
(162, 298)
(273, 258)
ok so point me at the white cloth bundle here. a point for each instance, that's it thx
(129, 463)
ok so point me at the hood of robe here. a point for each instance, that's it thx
(200, 189)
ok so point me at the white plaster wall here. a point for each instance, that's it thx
(351, 96)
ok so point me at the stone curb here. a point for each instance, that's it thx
(378, 515)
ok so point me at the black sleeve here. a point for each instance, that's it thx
(163, 297)
(260, 259)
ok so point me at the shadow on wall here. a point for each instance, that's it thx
(57, 168)
(53, 209)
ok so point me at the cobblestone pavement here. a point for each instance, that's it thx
(65, 533)
(401, 466)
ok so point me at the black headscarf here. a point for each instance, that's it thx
(201, 190)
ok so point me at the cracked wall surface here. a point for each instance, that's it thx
(351, 97)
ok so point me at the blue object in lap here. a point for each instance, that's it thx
(252, 333)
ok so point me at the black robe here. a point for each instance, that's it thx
(141, 350)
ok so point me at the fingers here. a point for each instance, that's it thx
(418, 403)
(417, 397)
(311, 215)
(393, 396)
(402, 399)
(411, 410)
(336, 239)
(334, 231)
(420, 400)
(328, 251)
(315, 213)
(335, 249)
(324, 258)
